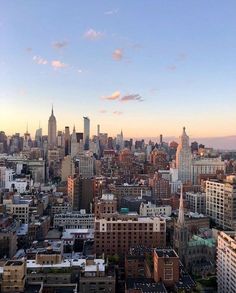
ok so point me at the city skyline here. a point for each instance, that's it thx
(171, 66)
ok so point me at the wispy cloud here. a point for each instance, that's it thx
(111, 12)
(29, 50)
(117, 54)
(79, 70)
(103, 111)
(113, 96)
(182, 56)
(132, 97)
(93, 35)
(57, 64)
(153, 90)
(39, 60)
(117, 113)
(171, 67)
(59, 45)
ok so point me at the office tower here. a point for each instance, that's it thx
(184, 159)
(74, 144)
(86, 135)
(52, 131)
(206, 166)
(161, 140)
(38, 137)
(221, 202)
(85, 165)
(98, 130)
(120, 141)
(26, 141)
(181, 231)
(196, 202)
(67, 168)
(226, 261)
(67, 140)
(80, 192)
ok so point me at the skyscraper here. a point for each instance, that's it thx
(86, 133)
(38, 137)
(52, 131)
(67, 140)
(184, 159)
(74, 144)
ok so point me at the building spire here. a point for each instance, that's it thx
(52, 110)
(180, 220)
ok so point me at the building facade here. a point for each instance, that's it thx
(184, 159)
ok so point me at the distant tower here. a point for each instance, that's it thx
(181, 231)
(98, 130)
(74, 143)
(161, 140)
(38, 137)
(67, 140)
(86, 135)
(184, 158)
(27, 140)
(52, 131)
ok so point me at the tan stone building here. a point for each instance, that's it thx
(14, 273)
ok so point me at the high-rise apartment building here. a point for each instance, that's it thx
(52, 131)
(86, 133)
(221, 201)
(226, 262)
(184, 159)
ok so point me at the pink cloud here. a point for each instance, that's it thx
(113, 96)
(56, 64)
(93, 35)
(117, 54)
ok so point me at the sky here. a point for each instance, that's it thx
(147, 67)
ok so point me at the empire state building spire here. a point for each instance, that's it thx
(181, 221)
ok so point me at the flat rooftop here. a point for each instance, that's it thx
(145, 285)
(166, 252)
(14, 263)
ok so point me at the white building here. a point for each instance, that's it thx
(197, 202)
(221, 202)
(149, 209)
(184, 159)
(206, 166)
(6, 176)
(20, 185)
(226, 262)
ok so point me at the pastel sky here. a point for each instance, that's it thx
(148, 67)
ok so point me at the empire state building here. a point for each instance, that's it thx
(52, 131)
